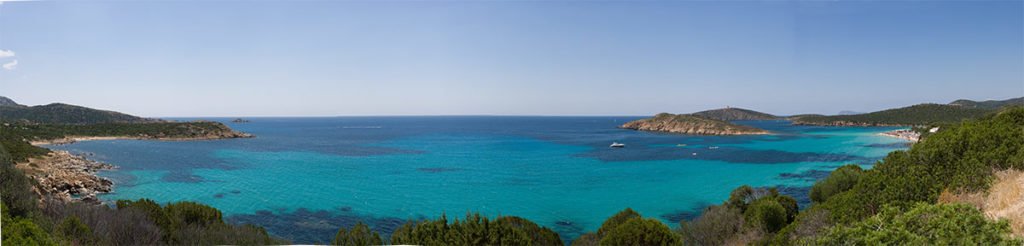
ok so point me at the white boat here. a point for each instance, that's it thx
(617, 145)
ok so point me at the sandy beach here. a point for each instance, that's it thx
(905, 134)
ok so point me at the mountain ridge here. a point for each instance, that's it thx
(731, 114)
(62, 113)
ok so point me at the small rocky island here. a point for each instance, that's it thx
(691, 124)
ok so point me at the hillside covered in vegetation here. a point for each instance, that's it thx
(731, 114)
(4, 101)
(690, 124)
(921, 114)
(59, 113)
(989, 104)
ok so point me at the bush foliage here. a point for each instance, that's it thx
(474, 229)
(842, 179)
(924, 224)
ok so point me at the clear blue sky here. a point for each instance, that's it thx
(320, 58)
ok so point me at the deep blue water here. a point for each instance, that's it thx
(303, 178)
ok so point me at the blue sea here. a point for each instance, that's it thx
(303, 178)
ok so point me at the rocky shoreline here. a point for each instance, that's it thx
(68, 177)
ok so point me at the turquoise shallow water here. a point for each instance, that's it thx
(303, 178)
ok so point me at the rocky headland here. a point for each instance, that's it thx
(691, 124)
(67, 177)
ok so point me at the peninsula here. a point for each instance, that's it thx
(691, 124)
(25, 130)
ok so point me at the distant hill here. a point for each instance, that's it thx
(690, 124)
(848, 112)
(990, 104)
(730, 114)
(4, 101)
(921, 114)
(59, 113)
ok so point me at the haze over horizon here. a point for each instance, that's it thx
(167, 59)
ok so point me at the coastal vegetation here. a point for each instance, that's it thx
(690, 124)
(959, 158)
(473, 229)
(627, 227)
(923, 224)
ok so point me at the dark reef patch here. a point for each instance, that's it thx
(182, 177)
(686, 214)
(236, 192)
(724, 153)
(567, 230)
(438, 169)
(810, 175)
(304, 226)
(676, 217)
(218, 195)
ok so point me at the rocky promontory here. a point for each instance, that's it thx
(690, 124)
(67, 177)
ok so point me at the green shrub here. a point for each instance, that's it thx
(474, 229)
(616, 220)
(587, 239)
(924, 224)
(20, 231)
(741, 197)
(359, 235)
(766, 214)
(16, 188)
(192, 213)
(714, 226)
(842, 179)
(806, 228)
(640, 231)
(190, 223)
(74, 231)
(538, 235)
